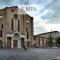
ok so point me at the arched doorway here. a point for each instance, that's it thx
(15, 43)
(16, 40)
(1, 44)
(22, 43)
(28, 44)
(9, 42)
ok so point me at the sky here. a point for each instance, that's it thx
(46, 16)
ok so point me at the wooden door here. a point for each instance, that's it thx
(15, 43)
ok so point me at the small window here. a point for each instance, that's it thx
(0, 33)
(2, 26)
(28, 44)
(12, 25)
(12, 10)
(26, 29)
(35, 45)
(15, 16)
(27, 35)
(18, 25)
(34, 38)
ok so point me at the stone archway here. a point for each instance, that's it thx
(16, 40)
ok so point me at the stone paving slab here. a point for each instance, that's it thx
(30, 54)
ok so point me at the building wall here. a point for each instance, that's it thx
(42, 39)
(27, 27)
(52, 33)
(36, 41)
(40, 42)
(19, 17)
(2, 28)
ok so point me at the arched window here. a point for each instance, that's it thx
(27, 33)
(0, 33)
(2, 26)
(18, 25)
(16, 36)
(12, 25)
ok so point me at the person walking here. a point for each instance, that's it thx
(25, 47)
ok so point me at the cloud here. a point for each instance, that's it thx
(39, 29)
(33, 2)
(25, 2)
(50, 3)
(46, 17)
(53, 16)
(6, 2)
(54, 27)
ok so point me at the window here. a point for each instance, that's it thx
(0, 33)
(35, 45)
(15, 16)
(12, 10)
(22, 42)
(28, 44)
(12, 24)
(2, 26)
(26, 29)
(27, 35)
(18, 25)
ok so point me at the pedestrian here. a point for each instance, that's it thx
(25, 48)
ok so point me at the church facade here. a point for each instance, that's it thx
(16, 28)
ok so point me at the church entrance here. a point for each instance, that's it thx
(15, 40)
(15, 43)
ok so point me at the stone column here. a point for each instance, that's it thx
(19, 44)
(12, 43)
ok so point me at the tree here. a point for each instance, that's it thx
(58, 41)
(55, 43)
(50, 41)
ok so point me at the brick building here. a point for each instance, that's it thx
(16, 28)
(41, 40)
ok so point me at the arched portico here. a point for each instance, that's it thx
(16, 43)
(15, 40)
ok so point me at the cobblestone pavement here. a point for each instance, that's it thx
(30, 54)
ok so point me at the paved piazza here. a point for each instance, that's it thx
(30, 54)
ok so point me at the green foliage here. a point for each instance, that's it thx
(58, 41)
(50, 41)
